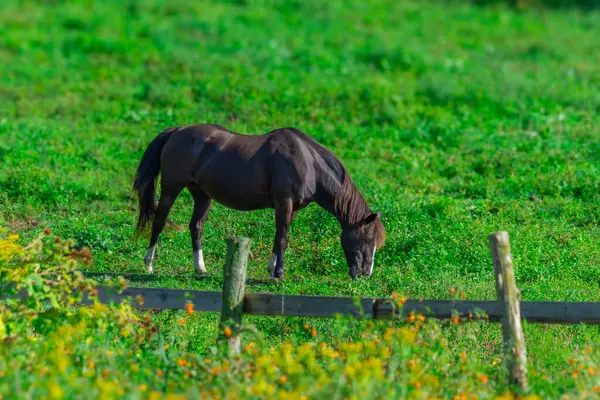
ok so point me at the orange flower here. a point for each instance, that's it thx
(411, 318)
(215, 370)
(47, 231)
(182, 321)
(181, 362)
(105, 373)
(306, 326)
(227, 332)
(313, 333)
(455, 320)
(91, 365)
(376, 341)
(189, 308)
(575, 374)
(452, 291)
(282, 379)
(483, 379)
(412, 363)
(597, 389)
(591, 371)
(159, 372)
(394, 296)
(421, 318)
(402, 300)
(462, 355)
(417, 385)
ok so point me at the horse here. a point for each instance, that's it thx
(284, 169)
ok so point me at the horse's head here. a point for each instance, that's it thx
(359, 241)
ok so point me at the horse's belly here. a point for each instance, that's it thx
(238, 201)
(236, 192)
(235, 182)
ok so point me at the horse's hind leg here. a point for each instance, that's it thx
(167, 198)
(201, 208)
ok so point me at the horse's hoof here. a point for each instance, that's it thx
(278, 274)
(201, 272)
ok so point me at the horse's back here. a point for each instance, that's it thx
(248, 171)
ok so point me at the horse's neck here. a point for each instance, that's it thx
(326, 199)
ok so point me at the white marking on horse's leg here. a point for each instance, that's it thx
(199, 262)
(149, 257)
(272, 264)
(372, 262)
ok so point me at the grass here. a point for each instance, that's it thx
(454, 120)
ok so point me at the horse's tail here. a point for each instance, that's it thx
(146, 176)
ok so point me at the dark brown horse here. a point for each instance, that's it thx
(284, 169)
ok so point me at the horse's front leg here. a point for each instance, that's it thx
(284, 215)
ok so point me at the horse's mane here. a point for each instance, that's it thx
(350, 204)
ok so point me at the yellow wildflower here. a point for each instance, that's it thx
(55, 390)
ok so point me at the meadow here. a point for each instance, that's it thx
(455, 120)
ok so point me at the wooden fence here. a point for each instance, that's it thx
(233, 302)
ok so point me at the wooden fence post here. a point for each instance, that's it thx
(509, 296)
(234, 286)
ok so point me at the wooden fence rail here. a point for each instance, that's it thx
(326, 306)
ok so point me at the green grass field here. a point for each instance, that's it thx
(454, 120)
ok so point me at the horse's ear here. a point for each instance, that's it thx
(370, 218)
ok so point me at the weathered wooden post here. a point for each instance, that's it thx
(234, 286)
(509, 296)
